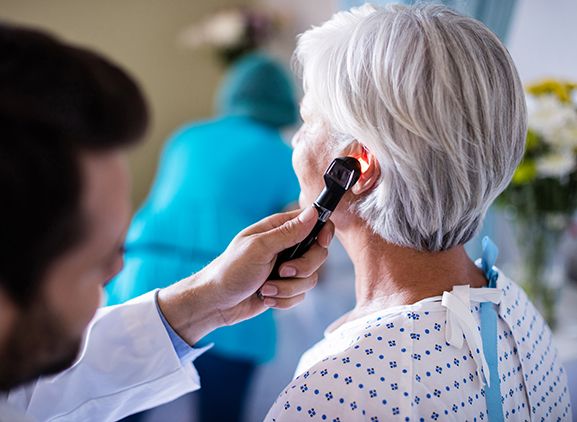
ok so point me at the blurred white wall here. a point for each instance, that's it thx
(543, 39)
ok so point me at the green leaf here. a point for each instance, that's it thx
(532, 141)
(525, 173)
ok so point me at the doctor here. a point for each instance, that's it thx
(66, 116)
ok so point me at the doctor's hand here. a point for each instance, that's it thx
(224, 292)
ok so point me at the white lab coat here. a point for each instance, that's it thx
(127, 364)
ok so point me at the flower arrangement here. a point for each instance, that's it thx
(542, 196)
(233, 32)
(549, 164)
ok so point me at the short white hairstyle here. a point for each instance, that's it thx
(435, 96)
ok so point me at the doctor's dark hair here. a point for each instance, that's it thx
(57, 101)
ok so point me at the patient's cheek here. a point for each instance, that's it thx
(310, 159)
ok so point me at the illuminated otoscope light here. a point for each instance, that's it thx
(340, 176)
(364, 164)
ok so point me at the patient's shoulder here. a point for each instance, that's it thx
(383, 338)
(360, 371)
(351, 385)
(328, 392)
(384, 368)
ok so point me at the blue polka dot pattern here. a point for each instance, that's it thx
(395, 365)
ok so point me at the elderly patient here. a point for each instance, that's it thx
(432, 102)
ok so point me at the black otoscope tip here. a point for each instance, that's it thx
(345, 171)
(340, 176)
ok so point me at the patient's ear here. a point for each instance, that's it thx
(371, 170)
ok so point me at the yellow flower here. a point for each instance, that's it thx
(561, 89)
(525, 173)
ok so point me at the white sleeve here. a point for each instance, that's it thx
(127, 364)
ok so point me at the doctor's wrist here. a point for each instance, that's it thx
(188, 308)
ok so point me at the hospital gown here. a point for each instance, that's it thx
(396, 365)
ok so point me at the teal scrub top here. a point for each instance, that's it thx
(214, 179)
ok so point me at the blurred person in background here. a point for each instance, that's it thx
(214, 179)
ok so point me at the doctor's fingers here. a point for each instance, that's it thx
(285, 235)
(326, 234)
(277, 303)
(290, 287)
(306, 264)
(271, 222)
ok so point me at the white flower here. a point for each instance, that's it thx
(566, 136)
(224, 29)
(556, 164)
(555, 121)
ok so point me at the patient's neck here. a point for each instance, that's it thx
(387, 275)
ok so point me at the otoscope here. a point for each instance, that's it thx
(340, 176)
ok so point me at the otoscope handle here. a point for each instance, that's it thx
(301, 248)
(341, 175)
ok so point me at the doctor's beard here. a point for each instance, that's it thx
(37, 345)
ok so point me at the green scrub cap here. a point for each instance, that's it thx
(258, 87)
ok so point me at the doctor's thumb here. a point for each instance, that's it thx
(292, 231)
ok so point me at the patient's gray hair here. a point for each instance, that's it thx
(436, 98)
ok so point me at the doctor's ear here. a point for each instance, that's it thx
(370, 168)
